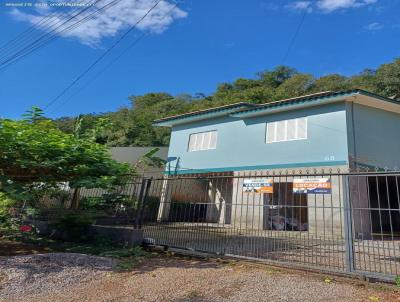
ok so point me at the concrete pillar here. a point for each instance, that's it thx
(165, 201)
(216, 207)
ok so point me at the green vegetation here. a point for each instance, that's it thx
(37, 159)
(5, 205)
(133, 126)
(397, 281)
(127, 258)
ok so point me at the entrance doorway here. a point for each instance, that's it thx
(285, 210)
(384, 205)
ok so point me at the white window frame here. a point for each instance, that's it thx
(284, 123)
(202, 147)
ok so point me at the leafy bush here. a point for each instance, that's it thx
(108, 201)
(92, 202)
(36, 157)
(397, 281)
(5, 208)
(74, 224)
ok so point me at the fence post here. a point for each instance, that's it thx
(165, 200)
(348, 225)
(144, 188)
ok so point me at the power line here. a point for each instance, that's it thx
(70, 17)
(65, 90)
(136, 41)
(100, 72)
(292, 41)
(36, 44)
(28, 30)
(33, 27)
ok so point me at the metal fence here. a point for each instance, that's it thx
(335, 222)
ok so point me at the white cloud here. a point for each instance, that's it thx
(332, 5)
(109, 22)
(300, 5)
(329, 6)
(374, 26)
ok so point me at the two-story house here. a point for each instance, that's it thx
(327, 131)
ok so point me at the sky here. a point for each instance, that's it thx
(188, 48)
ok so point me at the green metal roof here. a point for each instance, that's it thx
(245, 109)
(313, 98)
(203, 114)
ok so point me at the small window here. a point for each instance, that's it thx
(286, 130)
(202, 141)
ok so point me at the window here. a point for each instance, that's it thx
(203, 141)
(287, 130)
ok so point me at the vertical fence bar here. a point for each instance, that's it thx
(348, 225)
(143, 195)
(211, 213)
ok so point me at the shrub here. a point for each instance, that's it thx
(5, 208)
(73, 224)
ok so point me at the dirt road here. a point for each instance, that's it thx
(75, 278)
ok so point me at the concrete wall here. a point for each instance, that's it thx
(373, 136)
(215, 194)
(241, 143)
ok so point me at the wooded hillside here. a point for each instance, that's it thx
(133, 126)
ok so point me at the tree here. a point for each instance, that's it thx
(388, 79)
(332, 82)
(34, 153)
(365, 80)
(134, 126)
(149, 99)
(277, 76)
(298, 84)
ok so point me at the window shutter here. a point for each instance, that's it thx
(213, 140)
(202, 141)
(192, 142)
(286, 130)
(199, 143)
(271, 129)
(291, 129)
(206, 140)
(302, 128)
(281, 131)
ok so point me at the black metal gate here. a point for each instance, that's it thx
(349, 223)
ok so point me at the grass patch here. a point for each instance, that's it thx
(397, 281)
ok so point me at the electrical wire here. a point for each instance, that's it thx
(44, 21)
(50, 25)
(35, 45)
(112, 62)
(293, 40)
(65, 90)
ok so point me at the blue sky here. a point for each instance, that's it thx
(192, 48)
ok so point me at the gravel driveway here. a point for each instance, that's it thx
(74, 277)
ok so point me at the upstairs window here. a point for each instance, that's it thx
(287, 130)
(203, 141)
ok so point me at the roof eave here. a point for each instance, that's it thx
(295, 104)
(193, 117)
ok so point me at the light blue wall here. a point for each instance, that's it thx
(241, 143)
(375, 140)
